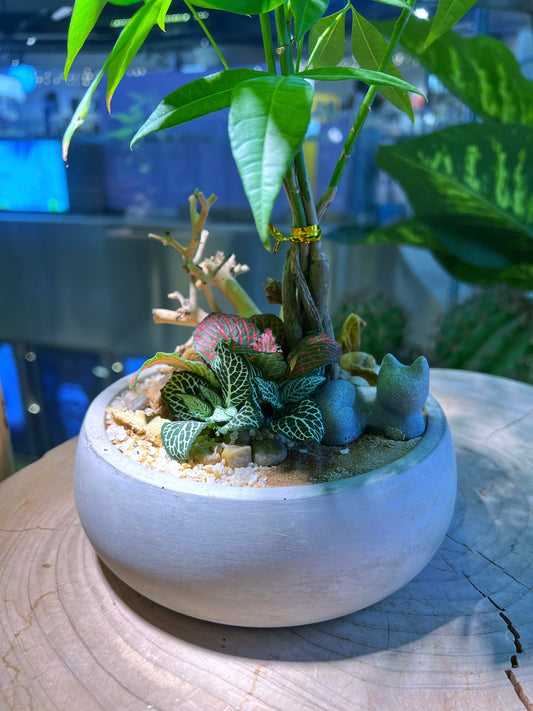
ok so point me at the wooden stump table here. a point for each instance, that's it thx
(459, 636)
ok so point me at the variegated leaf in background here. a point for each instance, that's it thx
(301, 423)
(473, 186)
(178, 437)
(481, 71)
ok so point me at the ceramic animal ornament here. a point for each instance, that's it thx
(395, 406)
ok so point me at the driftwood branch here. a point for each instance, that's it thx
(205, 275)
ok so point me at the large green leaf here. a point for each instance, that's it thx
(327, 40)
(448, 13)
(131, 39)
(306, 13)
(369, 76)
(481, 71)
(240, 7)
(368, 47)
(475, 180)
(84, 17)
(198, 98)
(268, 121)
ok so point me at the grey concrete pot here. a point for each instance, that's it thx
(264, 557)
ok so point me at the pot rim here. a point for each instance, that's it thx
(96, 438)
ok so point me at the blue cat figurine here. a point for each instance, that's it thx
(395, 405)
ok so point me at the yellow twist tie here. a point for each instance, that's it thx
(302, 235)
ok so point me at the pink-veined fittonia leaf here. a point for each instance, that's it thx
(275, 324)
(176, 361)
(223, 327)
(312, 352)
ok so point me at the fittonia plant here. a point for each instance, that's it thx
(246, 380)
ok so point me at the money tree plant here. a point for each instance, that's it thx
(269, 111)
(252, 372)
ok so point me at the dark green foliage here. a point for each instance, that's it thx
(492, 332)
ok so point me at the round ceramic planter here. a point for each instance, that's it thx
(264, 557)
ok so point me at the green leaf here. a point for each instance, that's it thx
(79, 116)
(223, 414)
(176, 361)
(301, 422)
(327, 40)
(178, 437)
(233, 372)
(481, 71)
(268, 391)
(472, 180)
(312, 352)
(368, 76)
(368, 47)
(300, 388)
(306, 14)
(448, 13)
(198, 98)
(199, 409)
(268, 121)
(84, 17)
(241, 7)
(248, 418)
(397, 3)
(130, 41)
(219, 327)
(271, 365)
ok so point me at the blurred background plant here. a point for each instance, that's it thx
(470, 189)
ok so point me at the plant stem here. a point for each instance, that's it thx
(268, 44)
(362, 114)
(207, 34)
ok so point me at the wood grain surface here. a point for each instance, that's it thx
(459, 636)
